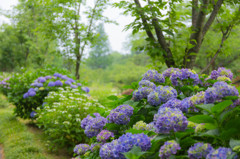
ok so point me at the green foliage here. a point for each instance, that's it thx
(60, 117)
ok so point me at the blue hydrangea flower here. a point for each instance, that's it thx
(169, 148)
(41, 79)
(48, 77)
(95, 146)
(184, 74)
(141, 93)
(220, 153)
(127, 141)
(51, 84)
(79, 84)
(146, 83)
(104, 135)
(214, 75)
(106, 151)
(33, 114)
(85, 89)
(25, 95)
(168, 119)
(58, 83)
(199, 150)
(31, 92)
(154, 76)
(36, 84)
(81, 149)
(121, 115)
(57, 75)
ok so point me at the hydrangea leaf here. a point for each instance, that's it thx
(134, 153)
(218, 108)
(206, 107)
(201, 119)
(233, 143)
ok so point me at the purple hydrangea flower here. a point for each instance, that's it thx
(146, 83)
(199, 150)
(73, 86)
(168, 72)
(175, 103)
(127, 141)
(33, 114)
(58, 83)
(154, 76)
(214, 75)
(48, 77)
(104, 135)
(85, 89)
(57, 75)
(25, 95)
(220, 153)
(169, 148)
(168, 119)
(106, 151)
(121, 114)
(93, 125)
(68, 82)
(161, 95)
(79, 84)
(95, 147)
(141, 93)
(219, 91)
(41, 79)
(184, 74)
(225, 72)
(51, 84)
(37, 84)
(81, 149)
(31, 93)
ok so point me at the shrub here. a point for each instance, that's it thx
(183, 113)
(29, 88)
(61, 114)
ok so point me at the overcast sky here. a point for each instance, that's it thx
(116, 36)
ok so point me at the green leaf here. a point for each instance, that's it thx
(233, 143)
(214, 132)
(210, 126)
(206, 107)
(201, 119)
(134, 153)
(218, 108)
(231, 98)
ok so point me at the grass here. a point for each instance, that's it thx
(21, 140)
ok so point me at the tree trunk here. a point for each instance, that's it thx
(78, 63)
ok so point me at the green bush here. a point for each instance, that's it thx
(22, 83)
(61, 116)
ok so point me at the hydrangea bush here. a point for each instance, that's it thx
(61, 114)
(174, 114)
(29, 88)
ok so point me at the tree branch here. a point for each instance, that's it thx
(161, 40)
(212, 17)
(194, 12)
(146, 26)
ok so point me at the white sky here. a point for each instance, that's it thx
(116, 36)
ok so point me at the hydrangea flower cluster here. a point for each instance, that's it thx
(104, 135)
(168, 119)
(95, 146)
(93, 125)
(220, 153)
(218, 91)
(33, 114)
(224, 79)
(168, 72)
(57, 81)
(161, 95)
(81, 149)
(154, 76)
(141, 93)
(190, 102)
(175, 103)
(199, 150)
(184, 74)
(128, 140)
(221, 72)
(121, 115)
(106, 150)
(169, 148)
(4, 83)
(140, 125)
(31, 92)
